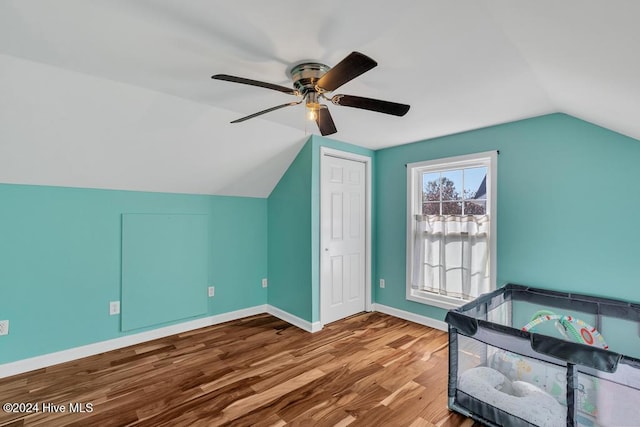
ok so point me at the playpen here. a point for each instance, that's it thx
(521, 356)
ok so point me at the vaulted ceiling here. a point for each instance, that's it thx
(117, 93)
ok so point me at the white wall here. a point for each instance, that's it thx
(59, 127)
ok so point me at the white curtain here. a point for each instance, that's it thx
(451, 255)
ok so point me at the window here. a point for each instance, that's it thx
(451, 229)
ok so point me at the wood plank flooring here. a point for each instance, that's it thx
(367, 370)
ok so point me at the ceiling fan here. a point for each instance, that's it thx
(312, 81)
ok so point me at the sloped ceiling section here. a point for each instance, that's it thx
(117, 93)
(64, 128)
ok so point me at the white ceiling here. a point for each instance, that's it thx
(117, 93)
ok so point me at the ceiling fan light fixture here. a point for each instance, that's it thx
(312, 105)
(312, 114)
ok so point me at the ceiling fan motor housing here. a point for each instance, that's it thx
(305, 77)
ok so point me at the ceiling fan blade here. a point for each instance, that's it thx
(325, 122)
(347, 69)
(268, 110)
(378, 105)
(258, 83)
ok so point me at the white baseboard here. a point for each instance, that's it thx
(412, 317)
(38, 362)
(294, 320)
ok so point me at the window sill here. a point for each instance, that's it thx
(435, 300)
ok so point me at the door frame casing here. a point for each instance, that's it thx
(331, 152)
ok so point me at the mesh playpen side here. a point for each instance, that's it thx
(521, 356)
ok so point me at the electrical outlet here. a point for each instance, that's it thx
(264, 283)
(114, 308)
(4, 327)
(212, 291)
(382, 283)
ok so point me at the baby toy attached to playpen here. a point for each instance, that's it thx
(521, 356)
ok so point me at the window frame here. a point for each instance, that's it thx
(414, 206)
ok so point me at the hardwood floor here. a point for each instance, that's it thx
(367, 370)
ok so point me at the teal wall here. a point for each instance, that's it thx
(60, 248)
(567, 193)
(289, 247)
(165, 268)
(294, 231)
(60, 260)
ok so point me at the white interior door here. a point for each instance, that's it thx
(343, 238)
